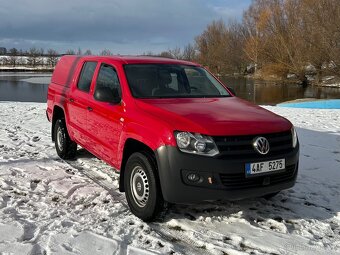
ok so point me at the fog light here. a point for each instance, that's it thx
(193, 177)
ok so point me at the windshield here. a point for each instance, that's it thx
(172, 81)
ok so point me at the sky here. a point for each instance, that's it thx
(122, 26)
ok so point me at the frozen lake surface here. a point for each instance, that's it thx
(24, 87)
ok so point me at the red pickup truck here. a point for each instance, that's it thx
(172, 130)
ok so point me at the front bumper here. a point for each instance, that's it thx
(222, 179)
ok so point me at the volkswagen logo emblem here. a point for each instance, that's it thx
(261, 145)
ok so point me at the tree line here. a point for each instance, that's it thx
(35, 57)
(276, 38)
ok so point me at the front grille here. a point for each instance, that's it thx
(239, 180)
(234, 147)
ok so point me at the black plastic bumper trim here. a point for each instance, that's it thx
(174, 165)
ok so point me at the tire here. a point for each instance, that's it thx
(142, 188)
(65, 147)
(271, 195)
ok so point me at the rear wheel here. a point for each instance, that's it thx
(142, 187)
(65, 147)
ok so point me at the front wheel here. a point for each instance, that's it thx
(142, 187)
(65, 147)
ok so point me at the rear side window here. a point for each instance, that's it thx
(107, 77)
(86, 75)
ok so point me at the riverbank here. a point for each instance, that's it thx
(331, 81)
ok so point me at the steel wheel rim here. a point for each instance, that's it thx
(139, 185)
(60, 139)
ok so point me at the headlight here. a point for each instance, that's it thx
(294, 137)
(195, 143)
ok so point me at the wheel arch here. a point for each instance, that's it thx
(58, 113)
(131, 146)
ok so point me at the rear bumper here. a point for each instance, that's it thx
(221, 179)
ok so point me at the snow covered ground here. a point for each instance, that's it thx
(50, 206)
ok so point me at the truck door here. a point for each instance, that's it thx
(78, 103)
(104, 121)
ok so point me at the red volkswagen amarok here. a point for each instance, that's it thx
(173, 131)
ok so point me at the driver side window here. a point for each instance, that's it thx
(108, 78)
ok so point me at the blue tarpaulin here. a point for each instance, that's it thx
(317, 104)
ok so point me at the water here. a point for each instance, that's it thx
(272, 93)
(24, 87)
(32, 87)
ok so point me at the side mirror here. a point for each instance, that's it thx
(108, 95)
(231, 90)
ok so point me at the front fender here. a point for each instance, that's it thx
(147, 134)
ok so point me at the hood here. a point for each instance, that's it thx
(214, 116)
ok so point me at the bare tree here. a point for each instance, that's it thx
(236, 60)
(212, 46)
(220, 47)
(79, 51)
(52, 57)
(88, 52)
(3, 51)
(106, 52)
(70, 52)
(165, 54)
(189, 52)
(4, 61)
(321, 34)
(285, 36)
(34, 57)
(149, 53)
(13, 57)
(176, 53)
(254, 25)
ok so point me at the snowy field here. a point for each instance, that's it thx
(50, 206)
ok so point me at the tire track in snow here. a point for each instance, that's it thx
(120, 197)
(182, 242)
(74, 189)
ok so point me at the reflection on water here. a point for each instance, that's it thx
(271, 93)
(13, 88)
(19, 87)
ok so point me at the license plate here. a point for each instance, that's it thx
(265, 167)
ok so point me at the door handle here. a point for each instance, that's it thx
(90, 109)
(71, 100)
